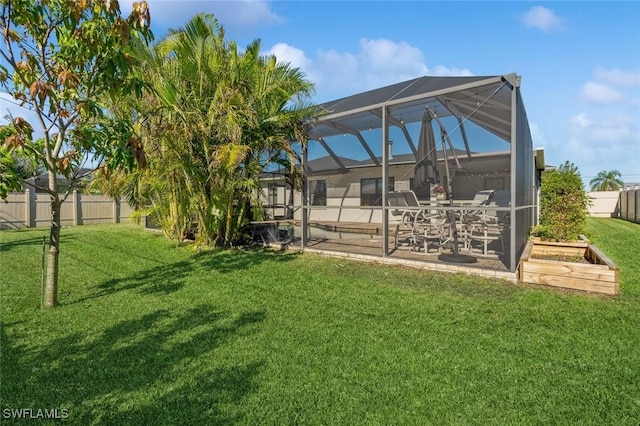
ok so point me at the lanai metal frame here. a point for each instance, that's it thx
(491, 102)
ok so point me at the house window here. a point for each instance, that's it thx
(272, 198)
(371, 191)
(318, 192)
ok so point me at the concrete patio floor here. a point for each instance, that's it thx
(363, 241)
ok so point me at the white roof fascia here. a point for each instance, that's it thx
(539, 158)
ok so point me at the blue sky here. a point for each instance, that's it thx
(579, 61)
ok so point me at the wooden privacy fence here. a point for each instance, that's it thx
(31, 210)
(630, 205)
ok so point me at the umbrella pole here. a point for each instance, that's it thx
(454, 257)
(450, 213)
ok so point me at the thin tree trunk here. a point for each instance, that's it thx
(240, 218)
(205, 232)
(50, 298)
(290, 203)
(228, 232)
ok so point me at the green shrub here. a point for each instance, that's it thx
(563, 205)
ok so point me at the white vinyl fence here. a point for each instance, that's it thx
(630, 205)
(604, 203)
(623, 204)
(31, 210)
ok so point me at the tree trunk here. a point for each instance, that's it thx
(228, 232)
(290, 203)
(243, 206)
(50, 298)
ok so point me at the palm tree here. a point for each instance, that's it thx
(607, 181)
(216, 117)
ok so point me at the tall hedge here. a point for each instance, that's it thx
(563, 205)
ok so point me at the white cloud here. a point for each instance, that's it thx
(617, 77)
(605, 131)
(381, 62)
(376, 63)
(296, 57)
(336, 70)
(597, 142)
(580, 121)
(600, 93)
(385, 55)
(543, 19)
(240, 15)
(293, 55)
(612, 86)
(608, 135)
(443, 71)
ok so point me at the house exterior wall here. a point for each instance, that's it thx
(343, 194)
(343, 189)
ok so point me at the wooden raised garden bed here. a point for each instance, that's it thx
(577, 265)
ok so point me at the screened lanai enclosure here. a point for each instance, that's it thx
(434, 169)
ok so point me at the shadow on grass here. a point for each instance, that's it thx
(119, 250)
(160, 368)
(164, 279)
(225, 261)
(168, 278)
(35, 243)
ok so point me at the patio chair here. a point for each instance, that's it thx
(466, 218)
(419, 227)
(488, 227)
(501, 198)
(431, 233)
(482, 198)
(403, 214)
(413, 217)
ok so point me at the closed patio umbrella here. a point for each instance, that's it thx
(426, 170)
(455, 257)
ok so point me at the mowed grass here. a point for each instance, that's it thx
(151, 333)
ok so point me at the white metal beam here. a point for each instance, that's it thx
(405, 132)
(358, 135)
(399, 101)
(332, 154)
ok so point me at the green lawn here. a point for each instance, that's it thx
(151, 333)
